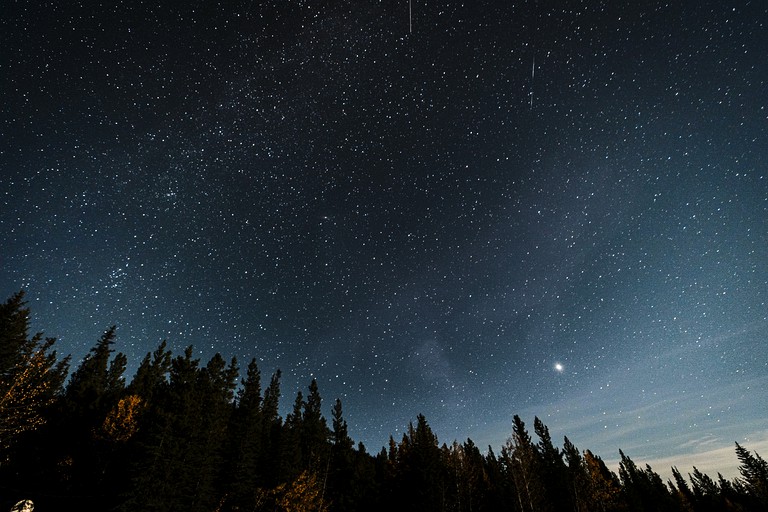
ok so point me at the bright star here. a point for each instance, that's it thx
(559, 367)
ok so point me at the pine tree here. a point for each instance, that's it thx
(217, 382)
(502, 495)
(685, 497)
(553, 472)
(97, 383)
(243, 472)
(271, 430)
(703, 486)
(754, 475)
(525, 469)
(604, 486)
(85, 456)
(341, 439)
(643, 488)
(182, 453)
(291, 456)
(314, 430)
(728, 493)
(14, 333)
(364, 484)
(578, 478)
(342, 478)
(305, 436)
(27, 390)
(418, 469)
(467, 487)
(159, 470)
(31, 378)
(151, 377)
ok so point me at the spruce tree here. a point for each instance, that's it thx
(685, 497)
(31, 377)
(605, 494)
(97, 383)
(31, 380)
(578, 478)
(501, 486)
(167, 474)
(419, 468)
(643, 488)
(151, 377)
(216, 385)
(343, 480)
(314, 431)
(14, 335)
(552, 471)
(754, 475)
(271, 431)
(86, 454)
(291, 456)
(242, 471)
(525, 468)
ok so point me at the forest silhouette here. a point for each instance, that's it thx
(188, 436)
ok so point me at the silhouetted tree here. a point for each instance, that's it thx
(83, 452)
(342, 479)
(417, 482)
(151, 377)
(754, 475)
(552, 470)
(643, 489)
(604, 486)
(242, 474)
(685, 497)
(467, 483)
(502, 493)
(291, 456)
(182, 453)
(525, 468)
(97, 383)
(271, 431)
(314, 431)
(578, 476)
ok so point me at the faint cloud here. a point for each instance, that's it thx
(432, 362)
(709, 458)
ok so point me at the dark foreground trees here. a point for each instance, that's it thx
(189, 435)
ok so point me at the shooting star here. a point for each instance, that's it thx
(410, 17)
(533, 75)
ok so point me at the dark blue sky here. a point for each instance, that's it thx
(419, 220)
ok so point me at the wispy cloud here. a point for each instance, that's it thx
(708, 456)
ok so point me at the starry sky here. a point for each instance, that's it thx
(552, 208)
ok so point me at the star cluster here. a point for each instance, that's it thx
(518, 207)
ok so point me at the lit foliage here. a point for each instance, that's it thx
(122, 422)
(604, 487)
(25, 392)
(303, 494)
(30, 376)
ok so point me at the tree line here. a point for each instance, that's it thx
(188, 436)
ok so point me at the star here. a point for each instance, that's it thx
(559, 367)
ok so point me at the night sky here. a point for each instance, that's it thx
(536, 208)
